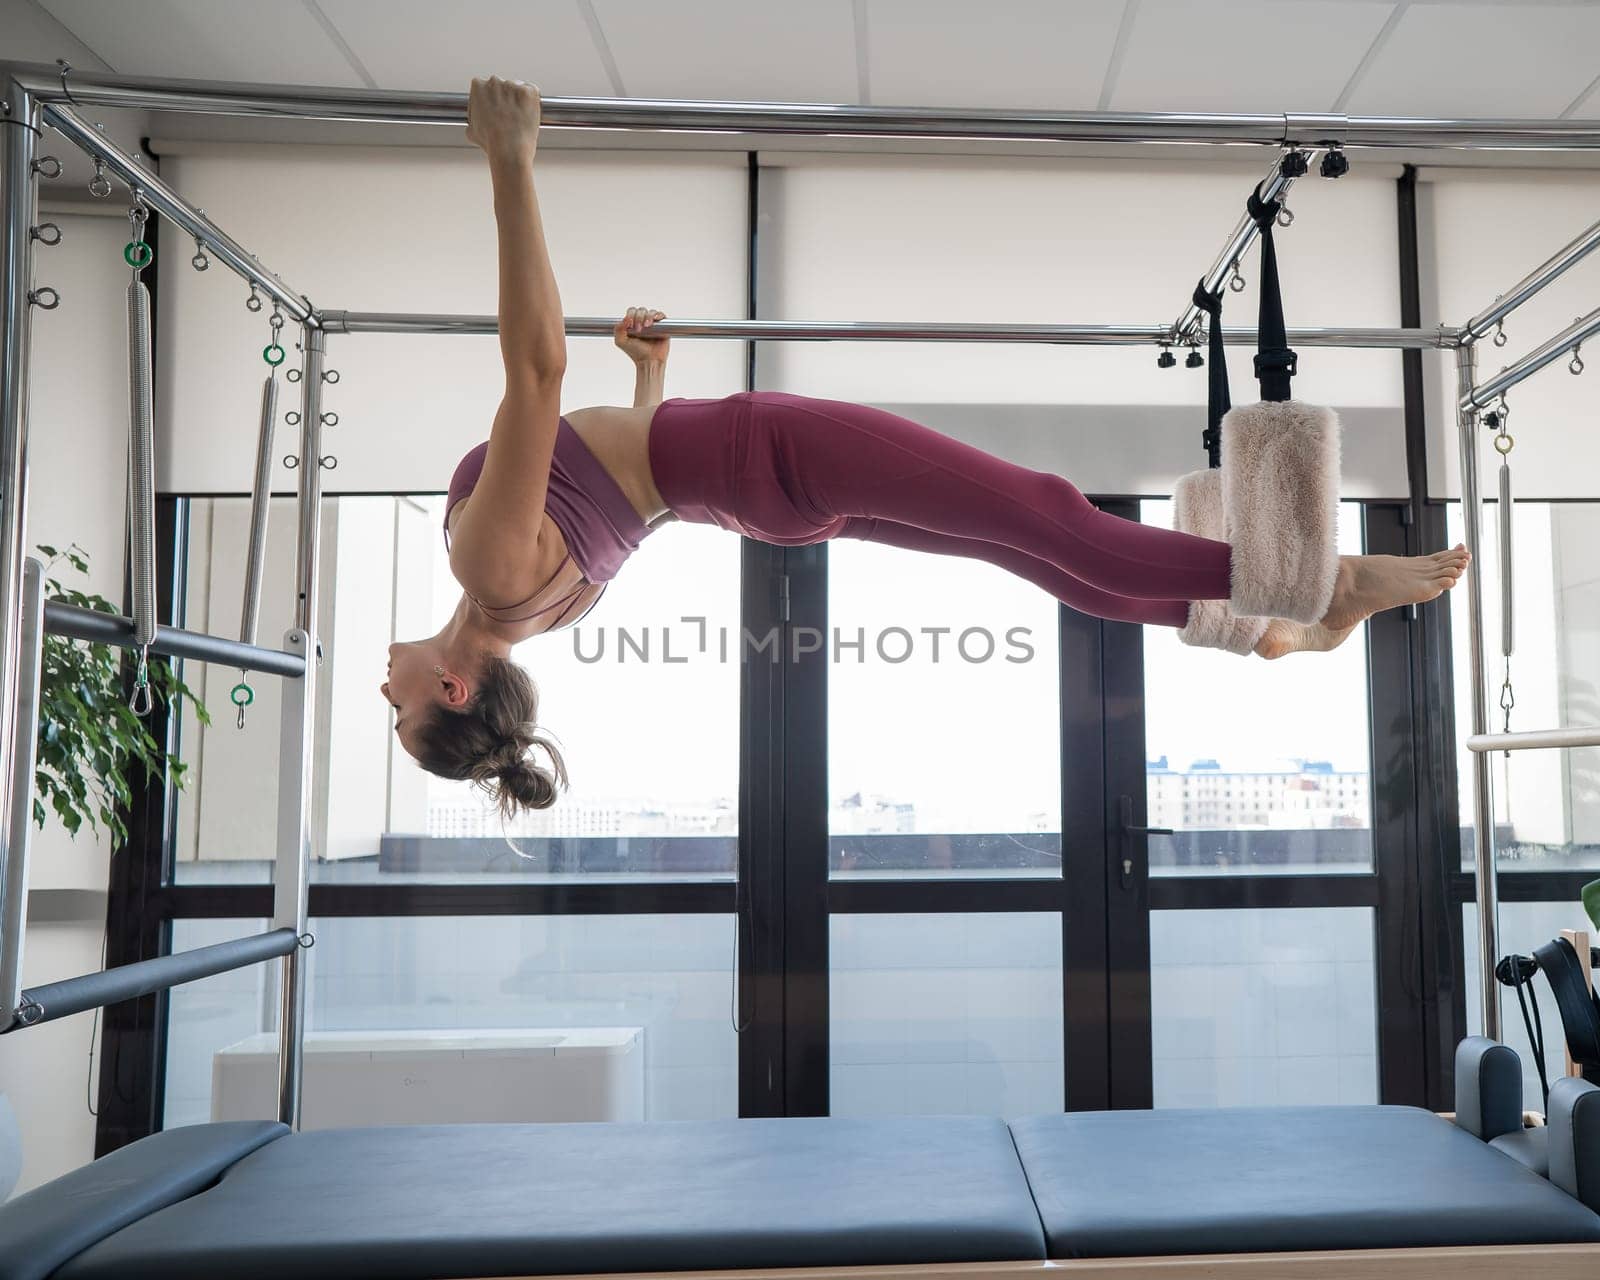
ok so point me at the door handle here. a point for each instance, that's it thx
(1127, 830)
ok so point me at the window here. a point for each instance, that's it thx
(1257, 767)
(944, 749)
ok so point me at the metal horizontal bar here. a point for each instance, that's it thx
(167, 202)
(110, 628)
(884, 331)
(671, 115)
(1537, 740)
(1557, 265)
(1579, 331)
(126, 982)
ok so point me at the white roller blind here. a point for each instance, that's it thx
(1482, 233)
(1074, 242)
(413, 230)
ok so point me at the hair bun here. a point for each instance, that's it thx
(527, 785)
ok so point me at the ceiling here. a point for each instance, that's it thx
(1366, 57)
(1461, 58)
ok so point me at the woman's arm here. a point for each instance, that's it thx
(649, 355)
(495, 544)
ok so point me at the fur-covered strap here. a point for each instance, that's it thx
(1280, 497)
(1197, 503)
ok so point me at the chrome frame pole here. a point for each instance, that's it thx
(1275, 184)
(311, 102)
(19, 838)
(297, 750)
(885, 331)
(1557, 265)
(1538, 739)
(17, 147)
(164, 200)
(1573, 336)
(1483, 842)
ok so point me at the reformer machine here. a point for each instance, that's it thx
(1313, 1192)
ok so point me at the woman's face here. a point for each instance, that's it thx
(417, 687)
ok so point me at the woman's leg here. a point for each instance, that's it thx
(1063, 586)
(849, 460)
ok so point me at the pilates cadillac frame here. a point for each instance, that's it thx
(35, 98)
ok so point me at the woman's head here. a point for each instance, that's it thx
(478, 726)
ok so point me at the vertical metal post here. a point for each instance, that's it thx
(1482, 781)
(297, 755)
(17, 138)
(19, 837)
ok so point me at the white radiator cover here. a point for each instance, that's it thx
(355, 1078)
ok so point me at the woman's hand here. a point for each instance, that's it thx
(503, 118)
(630, 337)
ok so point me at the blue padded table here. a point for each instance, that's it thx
(496, 1200)
(1287, 1179)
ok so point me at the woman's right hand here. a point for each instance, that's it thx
(503, 117)
(631, 337)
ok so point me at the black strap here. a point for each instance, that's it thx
(1276, 364)
(1218, 401)
(1580, 1015)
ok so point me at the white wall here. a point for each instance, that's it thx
(1089, 243)
(413, 230)
(1482, 233)
(77, 494)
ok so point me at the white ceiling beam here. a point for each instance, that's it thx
(1373, 50)
(602, 46)
(1119, 52)
(336, 37)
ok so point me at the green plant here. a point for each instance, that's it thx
(88, 735)
(1589, 895)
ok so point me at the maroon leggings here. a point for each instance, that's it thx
(793, 470)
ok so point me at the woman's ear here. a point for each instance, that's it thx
(456, 693)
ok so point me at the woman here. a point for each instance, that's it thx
(540, 517)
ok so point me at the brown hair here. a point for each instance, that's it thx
(488, 741)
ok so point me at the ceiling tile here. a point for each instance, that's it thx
(32, 35)
(1245, 55)
(1525, 59)
(1015, 54)
(403, 44)
(266, 41)
(733, 50)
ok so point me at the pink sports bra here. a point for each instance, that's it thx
(598, 523)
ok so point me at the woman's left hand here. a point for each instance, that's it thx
(640, 347)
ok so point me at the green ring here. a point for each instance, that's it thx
(249, 695)
(136, 253)
(266, 354)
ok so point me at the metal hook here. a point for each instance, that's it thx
(1576, 366)
(199, 262)
(330, 376)
(46, 233)
(99, 185)
(292, 417)
(293, 375)
(253, 302)
(291, 461)
(44, 297)
(1500, 338)
(47, 167)
(1285, 215)
(328, 462)
(330, 419)
(143, 699)
(1236, 282)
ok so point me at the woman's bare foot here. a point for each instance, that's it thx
(1370, 584)
(1283, 637)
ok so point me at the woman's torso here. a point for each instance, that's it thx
(618, 439)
